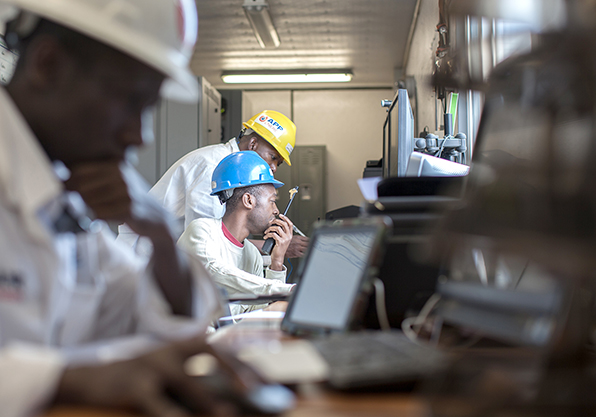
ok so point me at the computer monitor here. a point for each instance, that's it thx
(398, 135)
(493, 284)
(335, 278)
(424, 165)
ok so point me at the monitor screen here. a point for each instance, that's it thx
(424, 165)
(332, 278)
(398, 132)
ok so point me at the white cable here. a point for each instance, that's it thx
(380, 305)
(418, 321)
(407, 325)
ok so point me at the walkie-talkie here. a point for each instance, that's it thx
(269, 243)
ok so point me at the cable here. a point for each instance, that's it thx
(411, 326)
(291, 269)
(380, 305)
(521, 275)
(407, 325)
(440, 151)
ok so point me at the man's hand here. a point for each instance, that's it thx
(297, 247)
(103, 188)
(117, 192)
(146, 384)
(281, 231)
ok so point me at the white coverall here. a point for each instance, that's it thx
(184, 190)
(237, 269)
(76, 297)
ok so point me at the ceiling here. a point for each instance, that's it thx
(368, 36)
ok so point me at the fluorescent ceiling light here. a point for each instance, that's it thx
(257, 13)
(267, 77)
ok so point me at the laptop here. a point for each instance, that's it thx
(329, 302)
(335, 277)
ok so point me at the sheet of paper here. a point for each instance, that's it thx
(286, 362)
(257, 314)
(368, 187)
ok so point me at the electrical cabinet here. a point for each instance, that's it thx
(309, 172)
(180, 128)
(209, 111)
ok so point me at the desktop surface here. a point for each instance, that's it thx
(313, 401)
(485, 381)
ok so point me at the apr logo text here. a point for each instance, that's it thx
(271, 124)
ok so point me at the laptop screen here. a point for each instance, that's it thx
(336, 267)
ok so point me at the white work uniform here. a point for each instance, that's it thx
(184, 190)
(67, 290)
(237, 269)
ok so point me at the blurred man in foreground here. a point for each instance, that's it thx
(87, 73)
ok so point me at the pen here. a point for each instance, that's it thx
(299, 231)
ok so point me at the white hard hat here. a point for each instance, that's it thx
(159, 33)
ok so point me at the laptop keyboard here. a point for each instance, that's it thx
(375, 359)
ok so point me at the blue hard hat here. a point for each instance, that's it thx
(242, 169)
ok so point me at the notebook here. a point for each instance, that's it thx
(335, 276)
(330, 299)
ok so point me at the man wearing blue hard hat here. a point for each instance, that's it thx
(245, 183)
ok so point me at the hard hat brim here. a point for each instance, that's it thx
(180, 84)
(275, 183)
(183, 88)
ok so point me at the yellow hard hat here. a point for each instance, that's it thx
(276, 129)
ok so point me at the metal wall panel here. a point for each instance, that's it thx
(209, 113)
(179, 129)
(308, 171)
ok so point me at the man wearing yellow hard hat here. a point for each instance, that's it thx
(186, 187)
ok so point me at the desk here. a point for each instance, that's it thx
(311, 403)
(312, 399)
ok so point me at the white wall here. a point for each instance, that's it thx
(348, 122)
(254, 102)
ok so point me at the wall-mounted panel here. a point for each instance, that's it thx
(179, 129)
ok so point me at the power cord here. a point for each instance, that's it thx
(411, 326)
